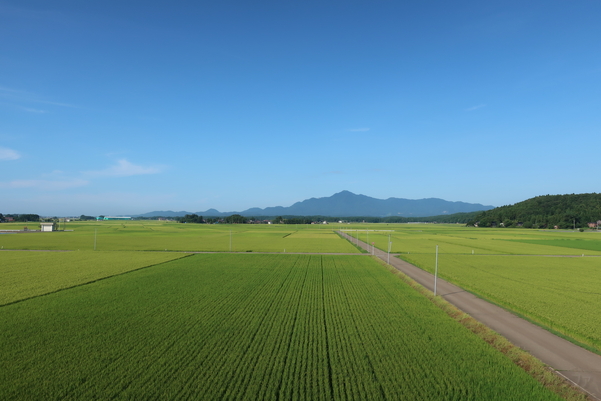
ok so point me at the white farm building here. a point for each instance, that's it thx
(46, 227)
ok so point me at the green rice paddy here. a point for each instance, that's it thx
(227, 326)
(158, 236)
(28, 274)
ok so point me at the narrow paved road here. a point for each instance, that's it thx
(576, 364)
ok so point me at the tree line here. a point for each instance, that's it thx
(460, 218)
(233, 219)
(19, 217)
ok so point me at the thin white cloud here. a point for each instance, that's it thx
(21, 96)
(9, 154)
(54, 173)
(123, 168)
(475, 107)
(34, 110)
(45, 185)
(359, 129)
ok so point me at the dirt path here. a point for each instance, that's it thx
(576, 364)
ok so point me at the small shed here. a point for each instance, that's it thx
(47, 227)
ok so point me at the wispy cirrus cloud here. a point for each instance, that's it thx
(9, 154)
(45, 185)
(124, 168)
(475, 107)
(21, 96)
(38, 111)
(57, 180)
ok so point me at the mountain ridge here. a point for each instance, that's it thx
(348, 204)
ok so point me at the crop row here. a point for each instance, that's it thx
(249, 327)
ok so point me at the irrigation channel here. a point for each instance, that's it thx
(581, 367)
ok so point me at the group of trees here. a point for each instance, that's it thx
(293, 220)
(190, 218)
(235, 219)
(548, 211)
(19, 217)
(194, 218)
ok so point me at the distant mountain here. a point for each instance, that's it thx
(547, 211)
(348, 204)
(163, 213)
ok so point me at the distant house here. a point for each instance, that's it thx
(113, 218)
(46, 227)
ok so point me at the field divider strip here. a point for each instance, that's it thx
(89, 282)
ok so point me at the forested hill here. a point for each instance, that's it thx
(548, 211)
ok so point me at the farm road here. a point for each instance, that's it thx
(578, 365)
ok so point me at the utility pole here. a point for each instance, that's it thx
(389, 243)
(436, 271)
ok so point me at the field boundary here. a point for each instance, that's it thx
(88, 282)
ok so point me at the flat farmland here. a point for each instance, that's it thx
(423, 238)
(231, 326)
(541, 275)
(161, 236)
(29, 274)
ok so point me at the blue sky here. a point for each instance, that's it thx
(121, 107)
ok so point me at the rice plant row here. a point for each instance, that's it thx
(260, 327)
